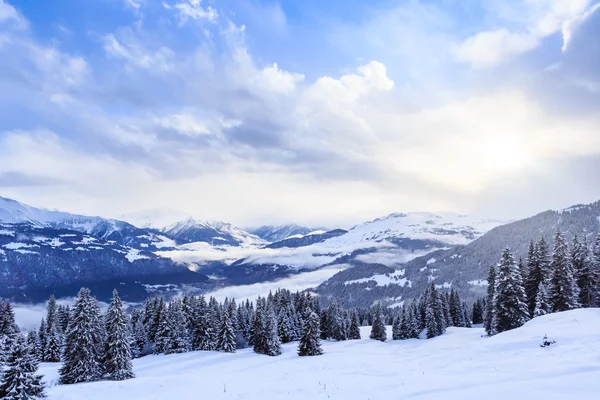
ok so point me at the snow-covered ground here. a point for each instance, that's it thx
(459, 365)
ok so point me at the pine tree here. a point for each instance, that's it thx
(541, 302)
(81, 358)
(310, 343)
(397, 326)
(456, 310)
(117, 360)
(354, 330)
(434, 317)
(139, 340)
(164, 328)
(273, 345)
(478, 312)
(19, 380)
(378, 331)
(32, 343)
(42, 340)
(584, 279)
(51, 314)
(488, 322)
(595, 272)
(467, 315)
(179, 340)
(53, 348)
(226, 336)
(259, 327)
(8, 326)
(562, 283)
(510, 308)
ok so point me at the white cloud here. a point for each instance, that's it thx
(127, 48)
(490, 48)
(193, 9)
(9, 13)
(534, 20)
(570, 26)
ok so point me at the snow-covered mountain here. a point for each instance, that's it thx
(14, 212)
(215, 233)
(276, 233)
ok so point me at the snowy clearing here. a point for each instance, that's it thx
(459, 365)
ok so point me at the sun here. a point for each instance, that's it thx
(502, 153)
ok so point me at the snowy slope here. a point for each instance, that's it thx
(275, 233)
(458, 365)
(446, 228)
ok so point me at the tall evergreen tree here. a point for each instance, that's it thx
(179, 340)
(19, 379)
(81, 358)
(541, 302)
(310, 343)
(477, 315)
(583, 269)
(595, 272)
(117, 359)
(378, 331)
(53, 348)
(562, 282)
(434, 317)
(354, 330)
(510, 308)
(226, 336)
(534, 275)
(273, 345)
(42, 340)
(488, 321)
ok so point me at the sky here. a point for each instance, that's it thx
(326, 113)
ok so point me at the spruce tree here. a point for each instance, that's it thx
(434, 316)
(478, 312)
(354, 330)
(164, 328)
(259, 333)
(19, 379)
(562, 282)
(378, 331)
(179, 340)
(51, 315)
(117, 359)
(81, 357)
(510, 308)
(541, 302)
(595, 272)
(397, 327)
(53, 348)
(583, 269)
(273, 345)
(310, 343)
(534, 276)
(467, 315)
(42, 340)
(488, 322)
(226, 336)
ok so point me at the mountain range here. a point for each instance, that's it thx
(391, 258)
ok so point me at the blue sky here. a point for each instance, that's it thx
(317, 112)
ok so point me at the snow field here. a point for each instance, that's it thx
(458, 365)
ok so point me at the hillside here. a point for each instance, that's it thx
(458, 365)
(463, 267)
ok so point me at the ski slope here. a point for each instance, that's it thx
(459, 365)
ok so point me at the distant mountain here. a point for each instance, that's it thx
(306, 240)
(13, 212)
(38, 260)
(463, 267)
(276, 233)
(213, 233)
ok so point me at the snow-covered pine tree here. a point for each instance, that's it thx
(541, 302)
(179, 341)
(273, 345)
(378, 331)
(467, 315)
(445, 302)
(62, 318)
(8, 326)
(51, 314)
(510, 307)
(595, 272)
(32, 344)
(434, 318)
(310, 343)
(81, 359)
(324, 321)
(53, 348)
(397, 326)
(582, 266)
(354, 330)
(285, 324)
(456, 310)
(259, 327)
(163, 334)
(533, 275)
(42, 340)
(414, 325)
(19, 379)
(117, 357)
(488, 321)
(139, 340)
(226, 335)
(202, 332)
(563, 296)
